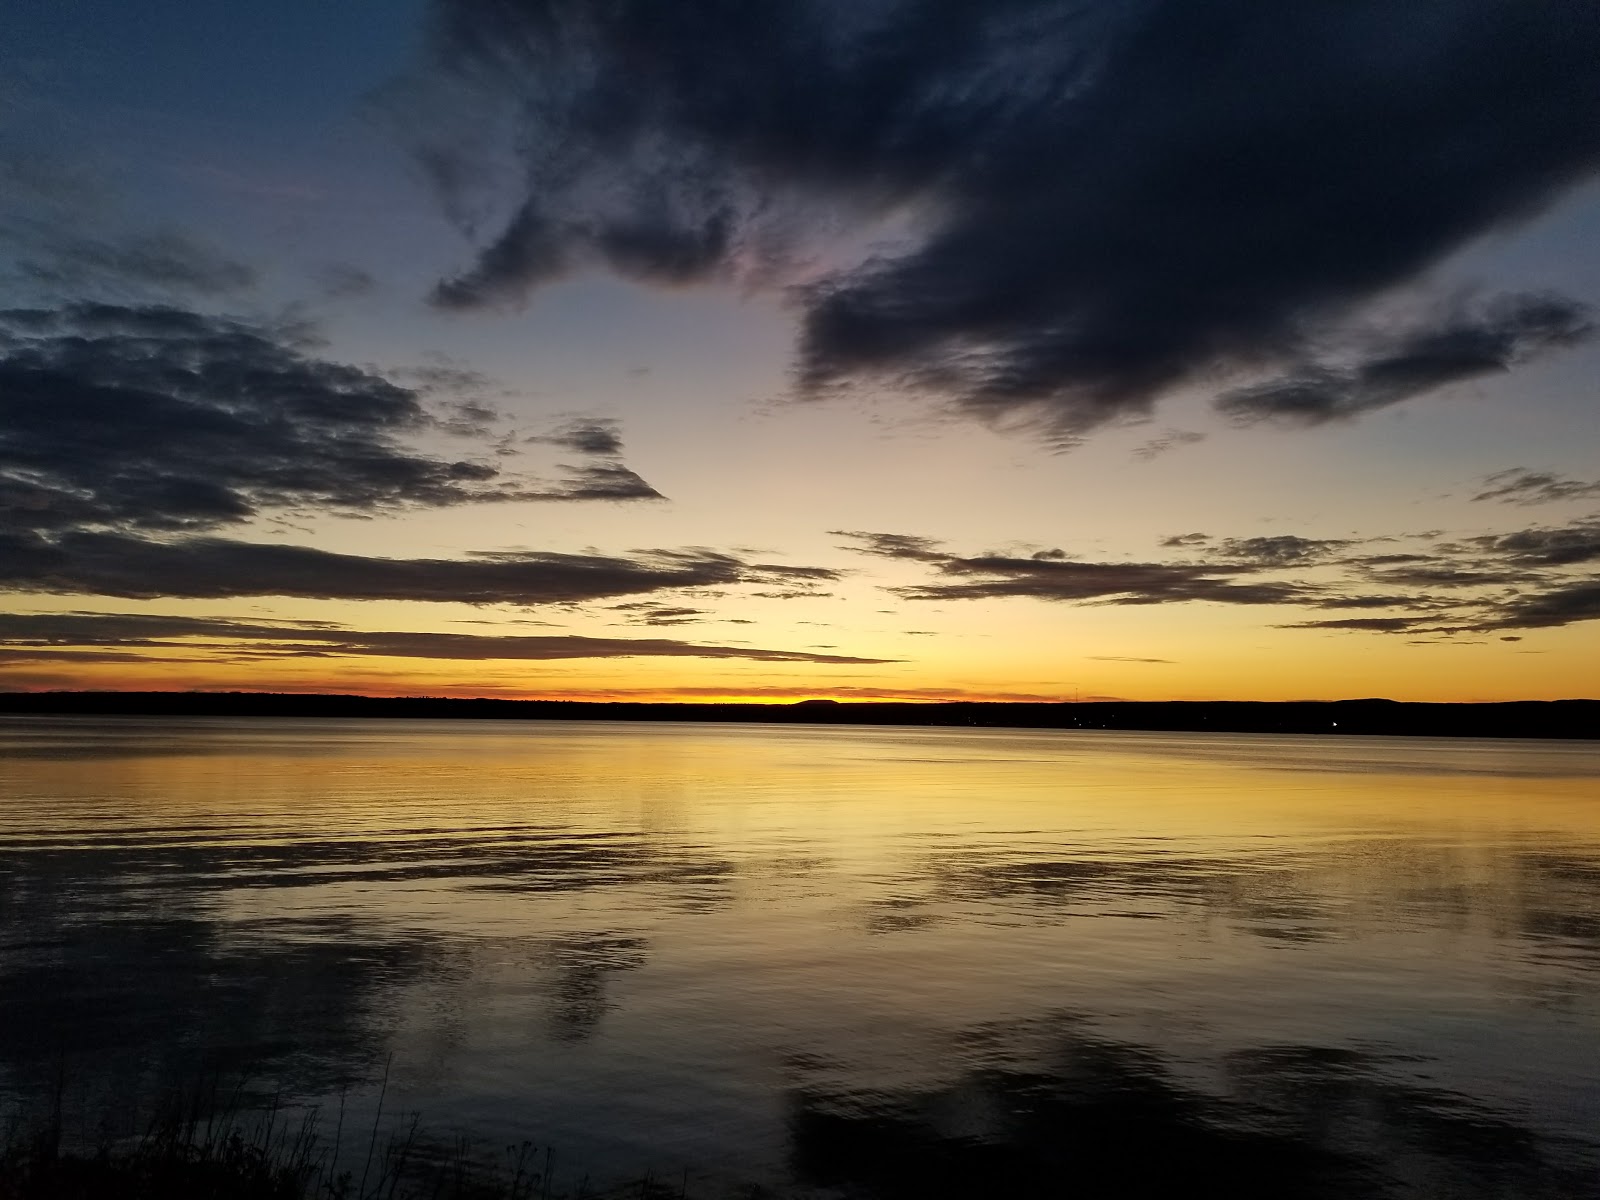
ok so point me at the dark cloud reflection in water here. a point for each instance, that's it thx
(878, 962)
(1054, 1107)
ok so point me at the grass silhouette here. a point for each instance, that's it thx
(210, 1148)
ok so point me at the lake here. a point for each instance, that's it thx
(881, 962)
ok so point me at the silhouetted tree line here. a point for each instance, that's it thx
(1523, 718)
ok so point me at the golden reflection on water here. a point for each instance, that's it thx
(648, 936)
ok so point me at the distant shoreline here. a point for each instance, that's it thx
(1565, 719)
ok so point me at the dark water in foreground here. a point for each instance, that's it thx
(884, 962)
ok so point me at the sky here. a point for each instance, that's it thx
(881, 349)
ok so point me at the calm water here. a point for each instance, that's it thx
(887, 962)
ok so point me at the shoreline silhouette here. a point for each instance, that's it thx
(1561, 719)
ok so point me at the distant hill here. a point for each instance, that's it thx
(1516, 719)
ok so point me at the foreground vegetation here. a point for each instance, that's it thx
(273, 1155)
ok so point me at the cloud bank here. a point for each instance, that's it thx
(1539, 577)
(128, 434)
(160, 418)
(1047, 213)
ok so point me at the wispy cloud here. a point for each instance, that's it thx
(1538, 577)
(1170, 440)
(120, 564)
(1522, 486)
(1463, 345)
(586, 435)
(1051, 575)
(122, 637)
(60, 234)
(604, 478)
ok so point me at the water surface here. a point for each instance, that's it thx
(874, 961)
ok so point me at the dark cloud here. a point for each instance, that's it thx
(46, 636)
(1283, 550)
(892, 545)
(1361, 624)
(119, 564)
(1560, 546)
(1465, 345)
(1070, 207)
(658, 614)
(1123, 658)
(599, 481)
(159, 418)
(1518, 579)
(1380, 600)
(142, 629)
(1447, 574)
(1522, 486)
(605, 479)
(1050, 575)
(1563, 605)
(586, 435)
(992, 577)
(460, 398)
(1387, 560)
(37, 654)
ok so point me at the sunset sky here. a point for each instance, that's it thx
(704, 349)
